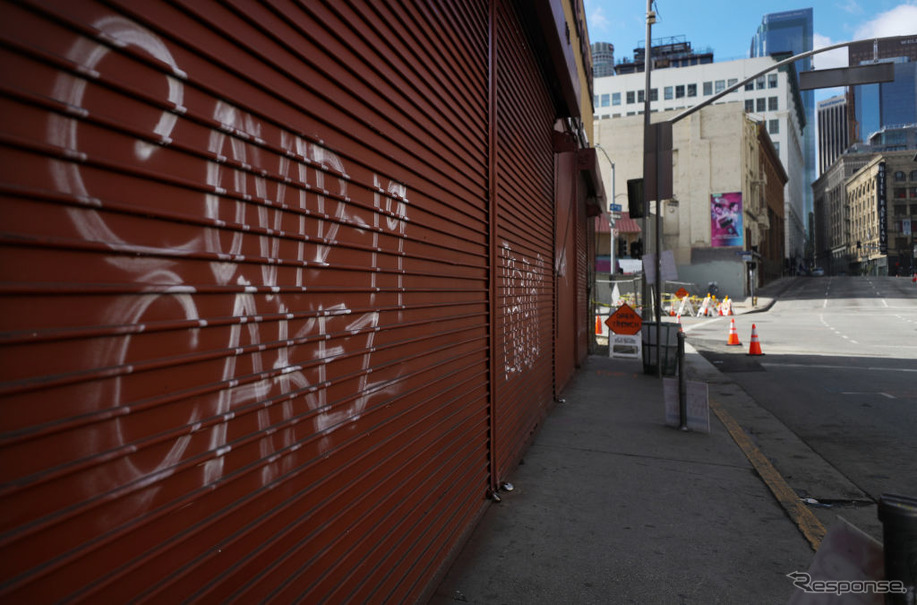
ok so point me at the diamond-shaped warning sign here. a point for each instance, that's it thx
(624, 321)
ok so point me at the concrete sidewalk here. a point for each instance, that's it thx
(611, 506)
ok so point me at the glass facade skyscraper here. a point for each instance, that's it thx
(889, 104)
(792, 32)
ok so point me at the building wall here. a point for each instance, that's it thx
(902, 213)
(771, 182)
(862, 196)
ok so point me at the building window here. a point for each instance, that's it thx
(777, 147)
(708, 89)
(654, 94)
(914, 175)
(900, 209)
(605, 100)
(772, 80)
(731, 82)
(759, 83)
(760, 104)
(899, 176)
(667, 93)
(615, 98)
(749, 105)
(680, 91)
(900, 193)
(913, 192)
(772, 103)
(773, 126)
(692, 92)
(641, 97)
(630, 97)
(720, 86)
(749, 86)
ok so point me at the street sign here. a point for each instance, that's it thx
(624, 321)
(697, 399)
(870, 73)
(614, 207)
(681, 293)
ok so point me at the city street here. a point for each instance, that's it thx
(839, 370)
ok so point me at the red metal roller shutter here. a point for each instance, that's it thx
(525, 256)
(243, 290)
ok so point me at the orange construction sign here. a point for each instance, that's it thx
(681, 293)
(624, 321)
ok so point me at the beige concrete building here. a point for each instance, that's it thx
(882, 211)
(717, 154)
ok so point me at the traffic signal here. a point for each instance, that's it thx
(636, 249)
(622, 248)
(635, 197)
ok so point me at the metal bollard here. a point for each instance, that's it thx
(899, 533)
(682, 383)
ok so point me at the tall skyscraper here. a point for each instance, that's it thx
(792, 32)
(833, 131)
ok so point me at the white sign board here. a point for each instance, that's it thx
(625, 346)
(698, 407)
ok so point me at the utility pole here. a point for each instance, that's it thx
(647, 68)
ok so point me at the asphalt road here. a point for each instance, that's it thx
(839, 370)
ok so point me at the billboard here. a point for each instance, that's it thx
(726, 219)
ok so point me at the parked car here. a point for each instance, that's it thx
(818, 272)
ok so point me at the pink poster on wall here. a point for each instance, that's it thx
(726, 219)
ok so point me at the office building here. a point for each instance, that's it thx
(833, 131)
(791, 33)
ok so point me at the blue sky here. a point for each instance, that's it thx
(727, 27)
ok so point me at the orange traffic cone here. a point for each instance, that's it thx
(755, 347)
(598, 325)
(733, 335)
(678, 321)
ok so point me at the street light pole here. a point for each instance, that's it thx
(647, 66)
(657, 287)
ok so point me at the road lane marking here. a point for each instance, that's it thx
(887, 395)
(805, 519)
(830, 367)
